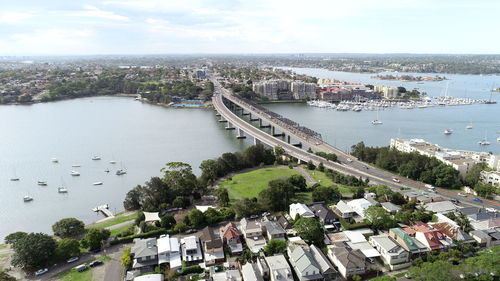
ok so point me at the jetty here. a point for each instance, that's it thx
(104, 209)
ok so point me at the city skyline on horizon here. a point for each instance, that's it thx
(155, 27)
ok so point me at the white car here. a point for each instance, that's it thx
(396, 180)
(349, 160)
(461, 194)
(41, 271)
(72, 259)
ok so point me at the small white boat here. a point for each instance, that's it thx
(97, 183)
(498, 139)
(468, 127)
(54, 160)
(121, 172)
(42, 183)
(75, 173)
(96, 158)
(76, 165)
(448, 131)
(112, 162)
(377, 122)
(484, 142)
(62, 190)
(27, 198)
(14, 179)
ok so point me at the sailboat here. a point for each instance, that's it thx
(62, 189)
(42, 183)
(14, 178)
(27, 198)
(121, 171)
(484, 141)
(490, 101)
(468, 127)
(377, 121)
(448, 132)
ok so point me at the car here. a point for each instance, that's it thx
(475, 199)
(95, 263)
(349, 160)
(396, 180)
(461, 194)
(41, 271)
(73, 259)
(455, 201)
(265, 214)
(254, 217)
(189, 231)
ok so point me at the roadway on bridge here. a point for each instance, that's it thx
(351, 166)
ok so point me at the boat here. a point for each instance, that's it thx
(498, 139)
(484, 142)
(54, 160)
(377, 122)
(27, 198)
(107, 170)
(15, 177)
(62, 189)
(448, 132)
(112, 162)
(42, 183)
(75, 173)
(468, 127)
(490, 101)
(121, 172)
(76, 165)
(97, 183)
(96, 158)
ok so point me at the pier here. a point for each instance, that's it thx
(104, 209)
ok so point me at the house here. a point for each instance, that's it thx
(324, 215)
(149, 277)
(393, 254)
(390, 207)
(482, 219)
(262, 266)
(433, 239)
(212, 247)
(325, 266)
(442, 207)
(145, 254)
(253, 235)
(358, 241)
(285, 224)
(273, 230)
(251, 272)
(169, 251)
(279, 270)
(343, 210)
(228, 275)
(453, 232)
(409, 243)
(359, 206)
(301, 210)
(191, 249)
(487, 238)
(348, 261)
(304, 265)
(231, 235)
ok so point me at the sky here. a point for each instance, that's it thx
(93, 27)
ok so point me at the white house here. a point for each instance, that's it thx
(359, 206)
(191, 249)
(395, 256)
(279, 270)
(169, 251)
(301, 210)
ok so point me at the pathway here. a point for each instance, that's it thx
(309, 179)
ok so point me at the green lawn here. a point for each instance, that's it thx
(117, 220)
(3, 246)
(326, 181)
(73, 275)
(119, 230)
(251, 183)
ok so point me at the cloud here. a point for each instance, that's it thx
(14, 17)
(94, 12)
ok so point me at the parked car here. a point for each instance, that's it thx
(265, 214)
(81, 267)
(455, 201)
(254, 217)
(396, 180)
(95, 251)
(41, 271)
(73, 259)
(475, 199)
(348, 160)
(95, 263)
(189, 231)
(462, 194)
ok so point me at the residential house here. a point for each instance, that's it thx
(253, 235)
(325, 266)
(393, 254)
(488, 237)
(442, 207)
(358, 241)
(212, 247)
(324, 215)
(251, 272)
(348, 261)
(433, 239)
(279, 270)
(262, 266)
(145, 254)
(390, 207)
(231, 235)
(191, 249)
(273, 230)
(453, 232)
(228, 275)
(359, 206)
(301, 210)
(149, 277)
(285, 224)
(305, 266)
(343, 210)
(169, 251)
(482, 219)
(409, 243)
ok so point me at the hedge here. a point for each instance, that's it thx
(130, 238)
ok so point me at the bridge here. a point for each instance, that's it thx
(285, 131)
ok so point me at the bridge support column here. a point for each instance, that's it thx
(229, 126)
(256, 141)
(241, 134)
(245, 113)
(298, 144)
(217, 113)
(274, 134)
(222, 120)
(261, 124)
(253, 119)
(288, 139)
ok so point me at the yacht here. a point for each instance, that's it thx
(27, 198)
(484, 142)
(75, 173)
(377, 122)
(107, 170)
(62, 189)
(14, 179)
(97, 183)
(96, 158)
(112, 162)
(76, 165)
(42, 183)
(121, 172)
(498, 139)
(468, 127)
(448, 131)
(54, 160)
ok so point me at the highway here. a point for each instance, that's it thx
(351, 166)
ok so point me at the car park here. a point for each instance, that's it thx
(73, 259)
(41, 271)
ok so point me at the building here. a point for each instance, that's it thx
(393, 254)
(149, 277)
(169, 251)
(145, 254)
(272, 89)
(432, 238)
(263, 267)
(387, 92)
(359, 206)
(251, 272)
(487, 238)
(304, 265)
(273, 230)
(442, 207)
(390, 207)
(491, 177)
(325, 266)
(212, 247)
(302, 90)
(301, 210)
(253, 235)
(231, 235)
(348, 261)
(279, 270)
(228, 275)
(343, 210)
(324, 215)
(453, 232)
(191, 249)
(200, 74)
(410, 244)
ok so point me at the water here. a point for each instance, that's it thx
(140, 137)
(344, 129)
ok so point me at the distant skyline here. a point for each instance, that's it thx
(94, 27)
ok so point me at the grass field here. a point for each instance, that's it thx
(119, 230)
(326, 181)
(116, 220)
(250, 184)
(73, 275)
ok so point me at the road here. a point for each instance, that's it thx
(351, 166)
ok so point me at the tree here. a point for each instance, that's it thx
(67, 248)
(94, 238)
(126, 260)
(33, 251)
(379, 218)
(167, 221)
(484, 190)
(473, 176)
(277, 196)
(329, 194)
(384, 278)
(275, 246)
(222, 196)
(133, 199)
(178, 202)
(6, 277)
(321, 167)
(298, 181)
(180, 178)
(310, 165)
(196, 218)
(310, 230)
(356, 278)
(246, 207)
(358, 192)
(212, 216)
(68, 227)
(14, 237)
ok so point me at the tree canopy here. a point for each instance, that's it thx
(68, 227)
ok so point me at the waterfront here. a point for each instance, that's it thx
(139, 136)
